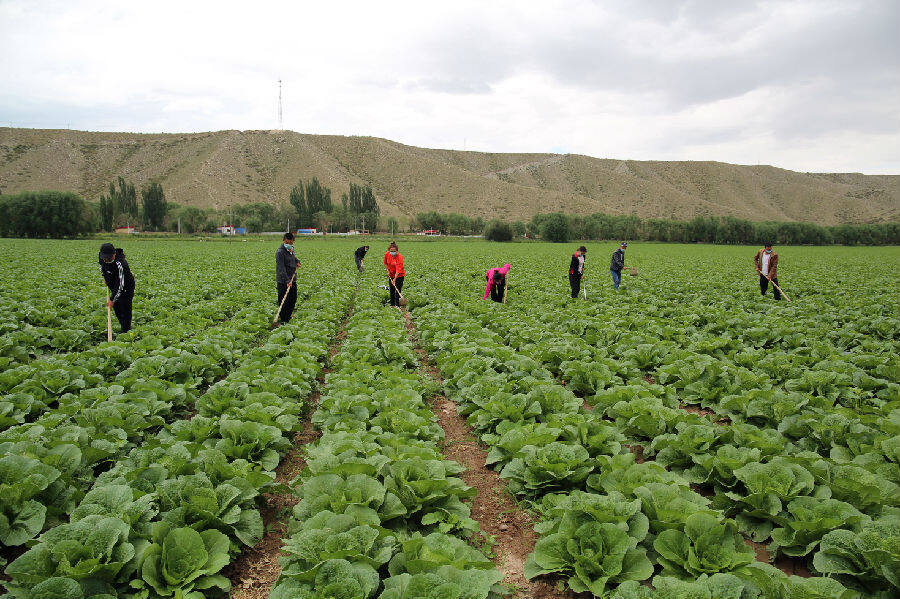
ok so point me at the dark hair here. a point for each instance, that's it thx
(393, 245)
(582, 249)
(365, 246)
(288, 235)
(768, 245)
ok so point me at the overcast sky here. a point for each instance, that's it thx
(810, 86)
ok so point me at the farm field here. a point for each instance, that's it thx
(679, 438)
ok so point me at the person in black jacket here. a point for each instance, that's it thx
(617, 264)
(120, 282)
(358, 255)
(285, 280)
(576, 270)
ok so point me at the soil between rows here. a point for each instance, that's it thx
(255, 571)
(494, 508)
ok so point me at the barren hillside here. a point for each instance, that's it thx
(221, 168)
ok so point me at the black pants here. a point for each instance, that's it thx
(122, 308)
(395, 293)
(764, 285)
(497, 290)
(358, 262)
(575, 283)
(287, 310)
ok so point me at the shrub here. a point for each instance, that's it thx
(555, 228)
(498, 231)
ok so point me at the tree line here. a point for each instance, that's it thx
(65, 214)
(562, 227)
(45, 214)
(120, 207)
(314, 208)
(708, 229)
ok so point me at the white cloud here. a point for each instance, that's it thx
(803, 85)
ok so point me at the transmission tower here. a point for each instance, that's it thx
(280, 123)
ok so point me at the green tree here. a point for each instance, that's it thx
(297, 199)
(318, 199)
(153, 201)
(107, 213)
(44, 214)
(497, 230)
(518, 228)
(125, 197)
(392, 225)
(555, 228)
(193, 219)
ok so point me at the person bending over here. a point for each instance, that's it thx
(119, 281)
(393, 262)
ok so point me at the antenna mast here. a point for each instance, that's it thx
(280, 124)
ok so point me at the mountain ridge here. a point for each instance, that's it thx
(223, 168)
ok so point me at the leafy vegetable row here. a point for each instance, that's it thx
(44, 311)
(46, 465)
(754, 472)
(31, 389)
(380, 511)
(166, 518)
(482, 375)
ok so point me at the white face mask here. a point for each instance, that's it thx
(768, 251)
(393, 253)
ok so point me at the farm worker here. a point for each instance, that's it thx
(393, 262)
(576, 270)
(285, 276)
(358, 255)
(496, 283)
(617, 264)
(766, 262)
(120, 282)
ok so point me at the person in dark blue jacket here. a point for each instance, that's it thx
(617, 264)
(359, 255)
(119, 281)
(285, 279)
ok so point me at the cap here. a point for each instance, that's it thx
(582, 249)
(107, 251)
(624, 244)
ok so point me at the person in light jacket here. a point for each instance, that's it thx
(617, 264)
(119, 281)
(285, 276)
(393, 262)
(766, 263)
(576, 270)
(496, 283)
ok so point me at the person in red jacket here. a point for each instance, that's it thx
(393, 262)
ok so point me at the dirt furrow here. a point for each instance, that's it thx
(502, 521)
(255, 571)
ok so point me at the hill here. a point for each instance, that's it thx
(223, 168)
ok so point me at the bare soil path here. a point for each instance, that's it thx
(255, 571)
(495, 510)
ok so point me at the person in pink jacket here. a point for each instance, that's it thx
(496, 283)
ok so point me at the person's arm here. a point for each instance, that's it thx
(119, 280)
(280, 266)
(756, 263)
(487, 288)
(773, 267)
(573, 265)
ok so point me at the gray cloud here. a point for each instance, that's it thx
(651, 79)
